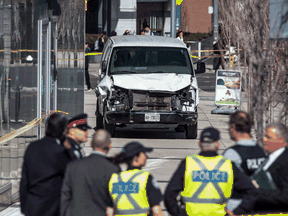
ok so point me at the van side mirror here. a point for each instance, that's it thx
(201, 67)
(103, 66)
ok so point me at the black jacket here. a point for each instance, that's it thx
(85, 187)
(100, 44)
(275, 200)
(87, 58)
(242, 188)
(42, 175)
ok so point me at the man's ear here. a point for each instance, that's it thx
(66, 130)
(217, 144)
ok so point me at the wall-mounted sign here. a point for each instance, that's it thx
(228, 88)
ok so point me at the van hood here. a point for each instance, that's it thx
(157, 82)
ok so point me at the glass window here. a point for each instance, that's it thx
(150, 60)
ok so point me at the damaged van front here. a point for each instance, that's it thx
(147, 82)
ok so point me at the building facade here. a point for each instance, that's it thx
(104, 16)
(195, 16)
(41, 69)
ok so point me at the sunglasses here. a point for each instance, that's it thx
(83, 129)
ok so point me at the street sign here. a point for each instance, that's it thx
(178, 2)
(178, 17)
(228, 88)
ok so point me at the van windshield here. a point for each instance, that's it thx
(150, 60)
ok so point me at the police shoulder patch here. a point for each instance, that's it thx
(155, 183)
(77, 154)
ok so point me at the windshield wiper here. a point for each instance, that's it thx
(158, 72)
(124, 72)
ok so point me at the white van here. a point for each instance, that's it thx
(147, 82)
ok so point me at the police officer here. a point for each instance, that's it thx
(207, 181)
(134, 191)
(246, 153)
(77, 134)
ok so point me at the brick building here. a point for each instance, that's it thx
(195, 17)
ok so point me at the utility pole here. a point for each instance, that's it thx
(173, 18)
(215, 20)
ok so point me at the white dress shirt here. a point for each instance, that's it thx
(272, 157)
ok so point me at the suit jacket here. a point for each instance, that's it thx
(275, 200)
(42, 175)
(85, 187)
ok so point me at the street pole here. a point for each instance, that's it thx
(215, 20)
(173, 18)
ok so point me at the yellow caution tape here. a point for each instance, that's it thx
(99, 53)
(25, 128)
(178, 2)
(195, 56)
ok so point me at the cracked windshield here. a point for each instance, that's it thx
(150, 60)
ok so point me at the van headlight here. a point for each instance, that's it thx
(184, 100)
(119, 99)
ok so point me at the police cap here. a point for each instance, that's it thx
(209, 135)
(79, 121)
(133, 148)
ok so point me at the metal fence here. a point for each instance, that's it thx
(200, 49)
(11, 159)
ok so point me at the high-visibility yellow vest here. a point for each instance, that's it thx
(208, 184)
(128, 191)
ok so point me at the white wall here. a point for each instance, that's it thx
(124, 14)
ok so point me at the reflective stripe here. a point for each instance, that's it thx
(137, 209)
(195, 199)
(232, 204)
(133, 211)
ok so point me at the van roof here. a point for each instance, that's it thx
(145, 40)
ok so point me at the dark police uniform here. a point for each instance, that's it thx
(79, 121)
(247, 155)
(209, 183)
(241, 183)
(76, 150)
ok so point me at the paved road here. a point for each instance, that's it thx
(206, 81)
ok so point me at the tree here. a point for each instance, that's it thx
(247, 22)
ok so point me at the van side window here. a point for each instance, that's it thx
(106, 52)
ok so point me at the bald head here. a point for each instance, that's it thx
(101, 140)
(241, 122)
(280, 129)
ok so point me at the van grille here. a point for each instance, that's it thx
(151, 101)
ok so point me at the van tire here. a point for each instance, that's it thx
(191, 131)
(110, 127)
(99, 119)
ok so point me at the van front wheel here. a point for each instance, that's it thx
(191, 131)
(110, 127)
